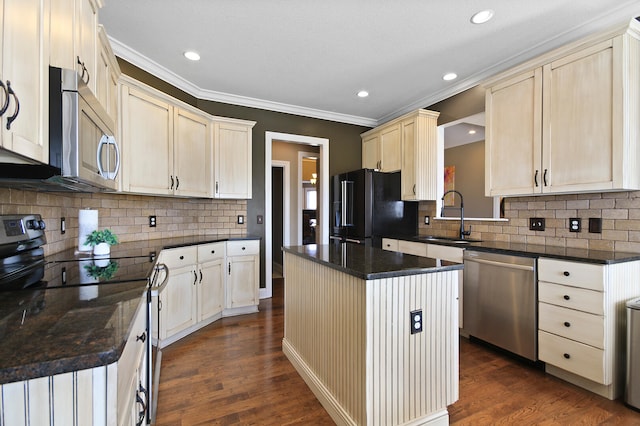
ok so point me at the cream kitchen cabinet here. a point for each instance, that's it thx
(233, 158)
(581, 325)
(107, 74)
(408, 144)
(74, 37)
(177, 302)
(564, 122)
(24, 106)
(243, 276)
(211, 266)
(167, 146)
(382, 148)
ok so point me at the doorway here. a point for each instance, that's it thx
(322, 227)
(280, 206)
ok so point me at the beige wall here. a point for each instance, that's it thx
(469, 178)
(619, 211)
(126, 215)
(284, 151)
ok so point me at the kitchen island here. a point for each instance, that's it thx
(349, 315)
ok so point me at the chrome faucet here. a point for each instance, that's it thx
(463, 233)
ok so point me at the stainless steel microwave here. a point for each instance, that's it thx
(84, 155)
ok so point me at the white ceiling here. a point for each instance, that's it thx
(311, 57)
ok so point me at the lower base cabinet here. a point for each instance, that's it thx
(206, 282)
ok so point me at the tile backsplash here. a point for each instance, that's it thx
(619, 211)
(126, 215)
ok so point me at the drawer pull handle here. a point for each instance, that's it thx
(567, 356)
(566, 273)
(567, 324)
(566, 297)
(181, 257)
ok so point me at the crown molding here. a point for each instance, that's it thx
(141, 61)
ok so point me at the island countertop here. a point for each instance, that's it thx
(370, 263)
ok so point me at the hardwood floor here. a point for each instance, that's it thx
(233, 372)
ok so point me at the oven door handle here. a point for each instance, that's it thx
(501, 264)
(154, 287)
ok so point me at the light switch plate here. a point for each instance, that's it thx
(240, 219)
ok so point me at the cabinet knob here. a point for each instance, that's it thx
(181, 257)
(566, 297)
(567, 324)
(243, 248)
(567, 356)
(566, 273)
(141, 337)
(213, 251)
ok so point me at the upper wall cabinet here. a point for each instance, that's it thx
(24, 75)
(107, 74)
(568, 121)
(408, 144)
(232, 140)
(382, 148)
(74, 37)
(167, 145)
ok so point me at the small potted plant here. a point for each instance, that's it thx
(101, 241)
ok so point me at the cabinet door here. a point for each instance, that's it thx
(242, 281)
(107, 71)
(25, 66)
(178, 309)
(579, 119)
(211, 289)
(371, 151)
(233, 160)
(87, 12)
(391, 148)
(147, 139)
(193, 158)
(513, 136)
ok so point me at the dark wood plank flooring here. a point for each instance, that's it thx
(233, 372)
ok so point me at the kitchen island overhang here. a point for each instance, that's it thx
(348, 322)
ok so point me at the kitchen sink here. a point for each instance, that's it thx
(447, 240)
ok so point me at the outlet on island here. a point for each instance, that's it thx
(536, 224)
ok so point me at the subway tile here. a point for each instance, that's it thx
(602, 204)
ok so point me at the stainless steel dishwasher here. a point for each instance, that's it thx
(500, 300)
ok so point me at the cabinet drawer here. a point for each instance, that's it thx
(448, 253)
(179, 257)
(390, 244)
(571, 297)
(575, 274)
(243, 248)
(208, 252)
(575, 325)
(412, 247)
(577, 358)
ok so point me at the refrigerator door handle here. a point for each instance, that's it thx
(347, 203)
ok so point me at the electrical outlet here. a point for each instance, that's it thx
(427, 219)
(63, 225)
(240, 219)
(575, 224)
(415, 318)
(536, 224)
(595, 225)
(152, 221)
(260, 219)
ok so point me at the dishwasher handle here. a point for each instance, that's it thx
(501, 264)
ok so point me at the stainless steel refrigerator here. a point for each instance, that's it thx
(367, 205)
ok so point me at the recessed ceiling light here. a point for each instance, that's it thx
(363, 94)
(191, 55)
(482, 16)
(450, 76)
(472, 132)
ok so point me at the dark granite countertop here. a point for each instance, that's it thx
(69, 322)
(563, 253)
(370, 263)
